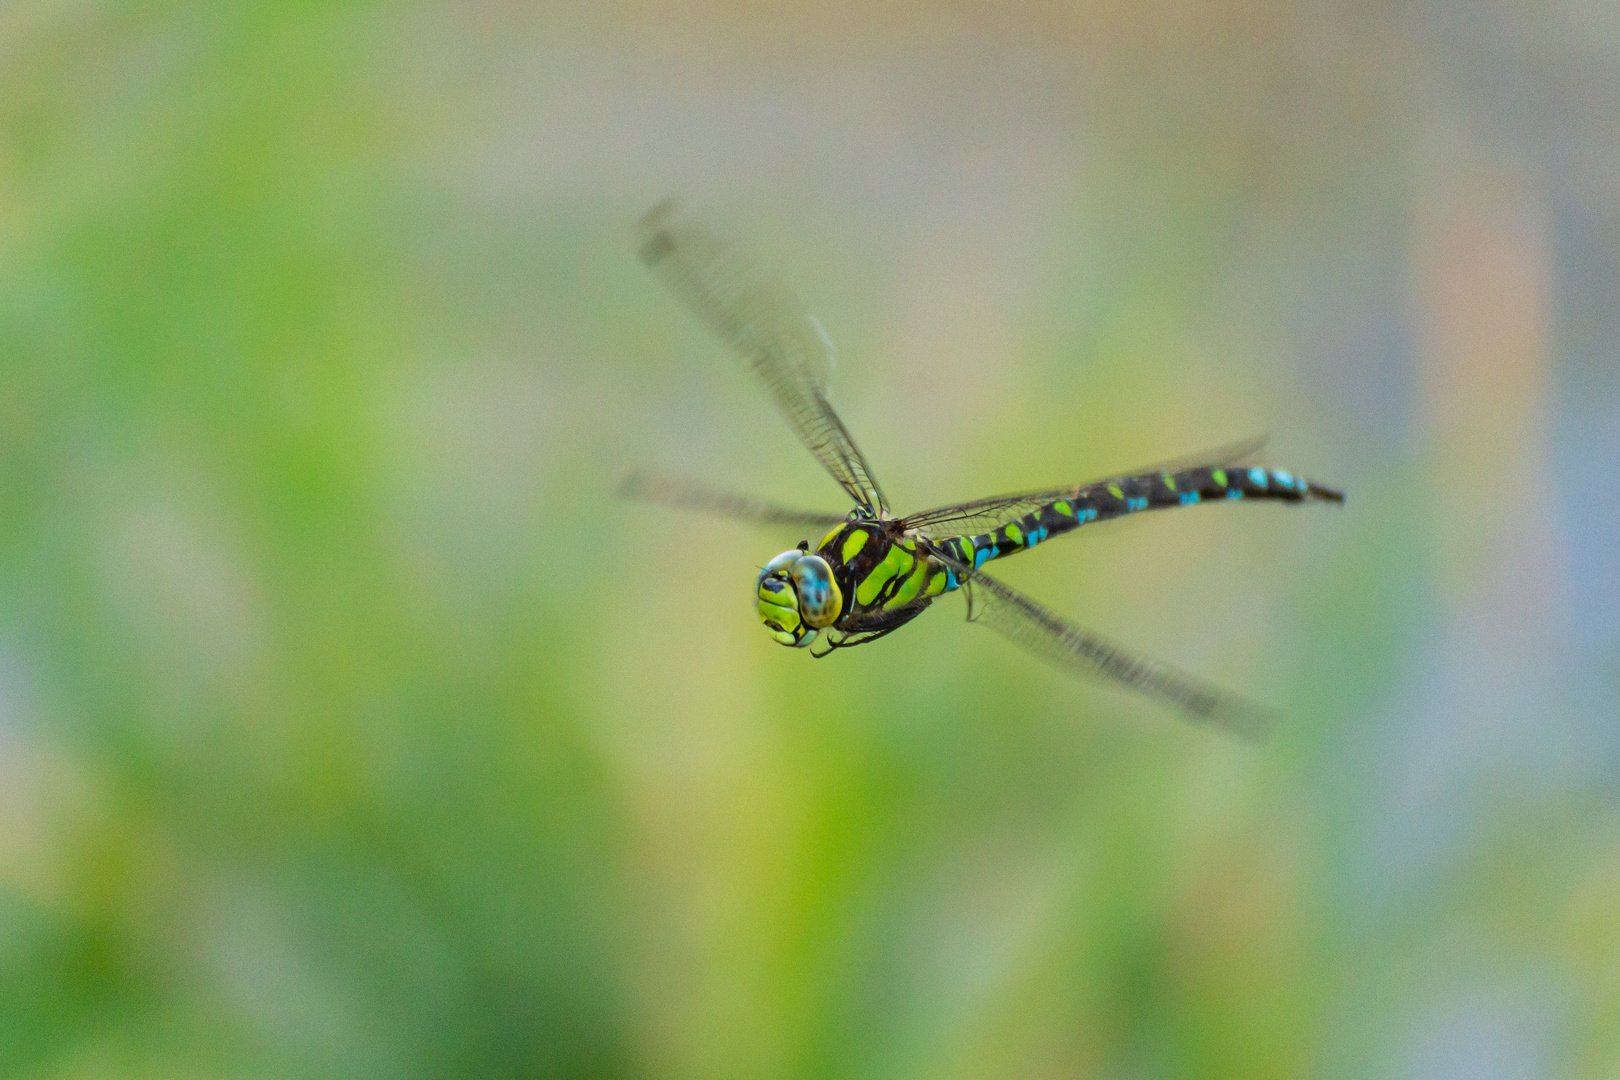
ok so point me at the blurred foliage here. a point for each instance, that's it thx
(348, 728)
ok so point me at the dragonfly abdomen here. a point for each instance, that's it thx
(1133, 494)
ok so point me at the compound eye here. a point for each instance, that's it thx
(781, 564)
(819, 598)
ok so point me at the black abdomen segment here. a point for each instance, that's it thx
(1131, 494)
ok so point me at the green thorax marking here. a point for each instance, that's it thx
(897, 562)
(853, 543)
(876, 571)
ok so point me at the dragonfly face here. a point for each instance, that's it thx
(798, 597)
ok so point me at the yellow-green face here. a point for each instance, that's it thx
(798, 597)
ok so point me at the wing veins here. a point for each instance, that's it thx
(684, 494)
(1055, 639)
(762, 321)
(981, 515)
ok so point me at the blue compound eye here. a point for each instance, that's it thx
(819, 598)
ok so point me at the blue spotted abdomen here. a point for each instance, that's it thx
(1129, 495)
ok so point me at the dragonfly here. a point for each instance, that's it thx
(873, 572)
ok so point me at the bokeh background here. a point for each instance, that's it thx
(350, 728)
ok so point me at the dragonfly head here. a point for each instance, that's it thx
(798, 596)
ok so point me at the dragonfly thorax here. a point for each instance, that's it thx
(797, 596)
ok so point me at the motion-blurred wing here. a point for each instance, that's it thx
(1075, 649)
(986, 515)
(759, 318)
(689, 495)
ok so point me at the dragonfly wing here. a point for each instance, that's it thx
(984, 515)
(760, 319)
(1055, 639)
(690, 495)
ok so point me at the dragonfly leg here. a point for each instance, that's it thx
(860, 629)
(852, 640)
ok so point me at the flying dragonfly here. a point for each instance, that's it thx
(873, 572)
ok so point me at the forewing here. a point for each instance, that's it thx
(1075, 649)
(760, 319)
(690, 495)
(985, 515)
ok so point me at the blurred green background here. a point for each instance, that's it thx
(350, 728)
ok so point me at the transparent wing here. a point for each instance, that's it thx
(759, 318)
(690, 495)
(984, 515)
(1055, 639)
